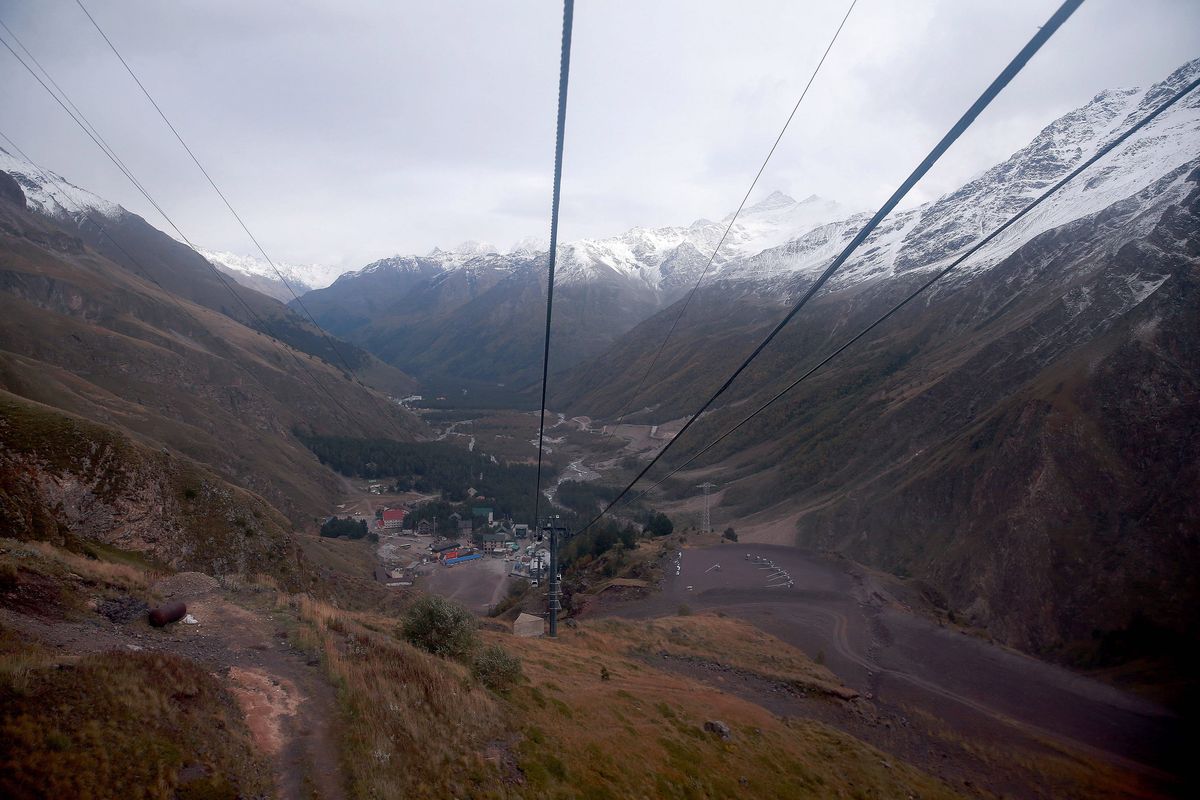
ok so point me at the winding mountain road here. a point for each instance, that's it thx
(904, 661)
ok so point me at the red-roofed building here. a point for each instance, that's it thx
(394, 517)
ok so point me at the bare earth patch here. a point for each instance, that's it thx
(265, 702)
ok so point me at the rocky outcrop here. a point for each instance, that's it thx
(70, 482)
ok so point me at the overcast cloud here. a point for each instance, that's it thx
(346, 132)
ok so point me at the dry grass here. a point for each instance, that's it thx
(122, 725)
(254, 583)
(724, 640)
(39, 578)
(20, 659)
(640, 733)
(413, 725)
(48, 559)
(419, 726)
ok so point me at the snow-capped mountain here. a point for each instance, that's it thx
(49, 193)
(415, 310)
(778, 241)
(929, 236)
(670, 259)
(301, 277)
(663, 262)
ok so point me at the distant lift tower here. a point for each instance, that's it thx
(707, 487)
(554, 596)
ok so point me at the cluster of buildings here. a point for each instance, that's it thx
(470, 538)
(533, 564)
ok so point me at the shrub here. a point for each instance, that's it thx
(441, 627)
(336, 526)
(730, 534)
(495, 668)
(659, 524)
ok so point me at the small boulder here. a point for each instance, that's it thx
(719, 728)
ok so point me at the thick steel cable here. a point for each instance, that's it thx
(1022, 58)
(328, 339)
(688, 299)
(937, 277)
(563, 73)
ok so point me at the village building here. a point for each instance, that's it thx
(426, 527)
(495, 543)
(483, 511)
(529, 626)
(394, 518)
(442, 547)
(466, 528)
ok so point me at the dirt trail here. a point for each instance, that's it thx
(283, 694)
(288, 705)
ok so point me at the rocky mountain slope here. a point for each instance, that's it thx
(138, 247)
(106, 341)
(71, 483)
(1021, 438)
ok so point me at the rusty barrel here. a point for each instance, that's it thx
(167, 613)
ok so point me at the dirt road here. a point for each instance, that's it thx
(899, 659)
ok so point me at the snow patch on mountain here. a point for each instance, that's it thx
(530, 246)
(642, 253)
(51, 194)
(1148, 169)
(301, 277)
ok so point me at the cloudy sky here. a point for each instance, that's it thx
(348, 131)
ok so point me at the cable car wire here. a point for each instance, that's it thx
(62, 102)
(563, 75)
(328, 339)
(1043, 34)
(937, 277)
(688, 299)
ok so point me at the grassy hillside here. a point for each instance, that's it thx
(590, 719)
(85, 334)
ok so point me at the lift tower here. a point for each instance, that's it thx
(554, 593)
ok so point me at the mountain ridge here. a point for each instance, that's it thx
(775, 248)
